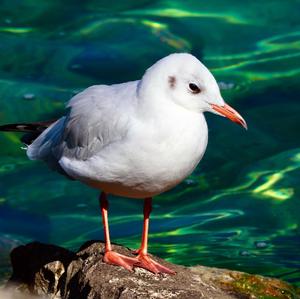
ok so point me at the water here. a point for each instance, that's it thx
(240, 208)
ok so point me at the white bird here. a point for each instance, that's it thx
(135, 139)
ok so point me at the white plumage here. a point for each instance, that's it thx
(135, 139)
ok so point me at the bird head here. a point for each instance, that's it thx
(183, 79)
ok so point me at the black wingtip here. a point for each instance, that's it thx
(31, 130)
(27, 127)
(16, 128)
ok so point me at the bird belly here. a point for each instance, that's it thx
(142, 169)
(158, 176)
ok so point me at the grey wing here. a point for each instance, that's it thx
(42, 147)
(93, 122)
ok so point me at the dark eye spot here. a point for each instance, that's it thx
(172, 81)
(194, 88)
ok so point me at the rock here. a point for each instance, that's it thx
(38, 268)
(54, 272)
(261, 244)
(4, 294)
(29, 96)
(244, 253)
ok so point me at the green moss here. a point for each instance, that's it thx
(254, 286)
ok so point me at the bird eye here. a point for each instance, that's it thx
(194, 88)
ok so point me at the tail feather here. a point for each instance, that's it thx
(31, 130)
(27, 127)
(39, 138)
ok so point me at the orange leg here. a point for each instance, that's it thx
(144, 261)
(111, 257)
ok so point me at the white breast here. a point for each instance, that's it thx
(171, 151)
(156, 155)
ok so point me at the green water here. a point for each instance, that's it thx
(241, 207)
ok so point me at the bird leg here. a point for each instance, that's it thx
(110, 256)
(144, 260)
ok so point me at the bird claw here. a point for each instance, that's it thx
(146, 262)
(141, 261)
(135, 251)
(117, 259)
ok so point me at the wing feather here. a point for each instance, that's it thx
(94, 120)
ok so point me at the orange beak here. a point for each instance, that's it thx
(230, 113)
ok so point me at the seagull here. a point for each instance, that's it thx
(136, 139)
